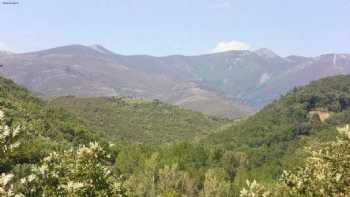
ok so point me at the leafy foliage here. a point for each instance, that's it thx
(81, 172)
(326, 173)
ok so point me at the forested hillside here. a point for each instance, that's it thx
(273, 137)
(47, 151)
(140, 121)
(47, 128)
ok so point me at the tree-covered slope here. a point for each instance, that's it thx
(138, 120)
(257, 148)
(287, 124)
(47, 128)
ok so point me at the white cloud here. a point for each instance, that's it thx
(220, 4)
(230, 46)
(4, 47)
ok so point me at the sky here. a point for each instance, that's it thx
(189, 27)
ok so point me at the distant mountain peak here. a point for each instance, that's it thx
(100, 49)
(75, 49)
(267, 53)
(4, 52)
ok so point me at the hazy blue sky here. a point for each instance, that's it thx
(161, 27)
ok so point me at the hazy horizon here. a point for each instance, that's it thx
(162, 28)
(176, 54)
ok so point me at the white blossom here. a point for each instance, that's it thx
(5, 178)
(74, 186)
(2, 115)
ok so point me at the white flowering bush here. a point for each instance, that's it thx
(8, 143)
(326, 173)
(214, 185)
(80, 172)
(254, 189)
(6, 185)
(8, 136)
(76, 172)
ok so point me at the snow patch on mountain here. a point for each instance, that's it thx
(264, 78)
(99, 49)
(266, 53)
(230, 67)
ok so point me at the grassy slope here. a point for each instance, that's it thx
(140, 121)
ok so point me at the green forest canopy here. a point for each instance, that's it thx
(259, 147)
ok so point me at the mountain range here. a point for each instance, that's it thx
(228, 84)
